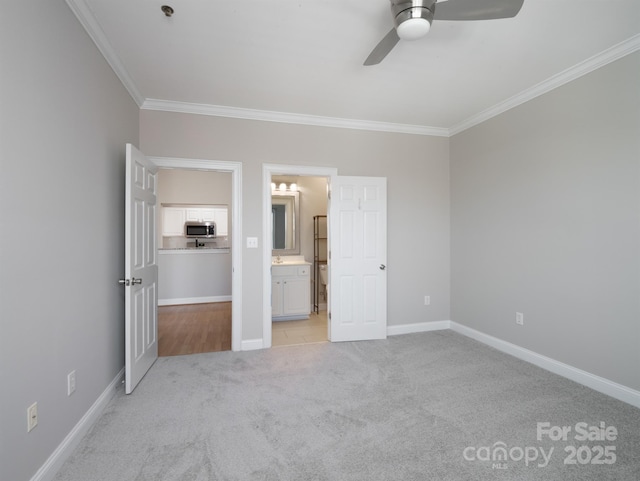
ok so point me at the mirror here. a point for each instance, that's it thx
(285, 219)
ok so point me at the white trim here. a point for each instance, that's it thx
(597, 383)
(236, 229)
(252, 344)
(267, 171)
(53, 464)
(87, 19)
(417, 327)
(290, 118)
(176, 301)
(600, 60)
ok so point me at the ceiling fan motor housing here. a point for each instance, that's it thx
(412, 18)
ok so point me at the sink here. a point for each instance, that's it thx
(288, 261)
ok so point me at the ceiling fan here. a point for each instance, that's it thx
(412, 18)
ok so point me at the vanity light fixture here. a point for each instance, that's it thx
(284, 187)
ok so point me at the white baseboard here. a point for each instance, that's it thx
(417, 327)
(52, 465)
(192, 300)
(252, 344)
(597, 383)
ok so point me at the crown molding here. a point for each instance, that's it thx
(600, 60)
(88, 20)
(288, 118)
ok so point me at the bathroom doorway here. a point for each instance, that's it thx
(311, 183)
(310, 234)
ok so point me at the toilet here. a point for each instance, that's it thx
(323, 278)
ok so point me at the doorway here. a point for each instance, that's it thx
(300, 172)
(300, 236)
(235, 232)
(194, 274)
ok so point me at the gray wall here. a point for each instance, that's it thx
(546, 221)
(64, 121)
(417, 169)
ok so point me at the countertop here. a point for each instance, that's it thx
(289, 261)
(194, 250)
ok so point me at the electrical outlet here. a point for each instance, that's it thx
(427, 300)
(520, 318)
(71, 382)
(32, 416)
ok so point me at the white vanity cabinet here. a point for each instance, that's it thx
(290, 292)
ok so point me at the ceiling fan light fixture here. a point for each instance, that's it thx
(413, 23)
(413, 29)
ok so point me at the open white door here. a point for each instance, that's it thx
(140, 268)
(358, 258)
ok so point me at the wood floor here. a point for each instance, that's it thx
(197, 328)
(194, 328)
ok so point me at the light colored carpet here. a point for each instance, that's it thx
(413, 407)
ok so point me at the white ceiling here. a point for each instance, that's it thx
(302, 60)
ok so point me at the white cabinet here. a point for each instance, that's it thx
(220, 217)
(201, 214)
(290, 292)
(173, 219)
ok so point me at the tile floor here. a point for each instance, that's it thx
(288, 333)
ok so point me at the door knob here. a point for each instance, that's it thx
(382, 267)
(125, 282)
(135, 281)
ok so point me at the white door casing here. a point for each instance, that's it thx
(141, 270)
(234, 220)
(268, 170)
(358, 258)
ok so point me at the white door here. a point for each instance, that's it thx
(140, 268)
(358, 258)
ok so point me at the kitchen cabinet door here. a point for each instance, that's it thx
(221, 220)
(173, 219)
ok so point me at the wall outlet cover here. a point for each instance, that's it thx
(71, 382)
(32, 416)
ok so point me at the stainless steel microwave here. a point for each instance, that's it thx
(200, 229)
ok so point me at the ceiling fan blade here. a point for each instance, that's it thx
(383, 48)
(477, 9)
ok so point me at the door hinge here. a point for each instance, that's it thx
(329, 315)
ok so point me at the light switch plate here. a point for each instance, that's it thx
(252, 242)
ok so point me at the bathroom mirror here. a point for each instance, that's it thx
(285, 219)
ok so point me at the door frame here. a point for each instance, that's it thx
(235, 168)
(269, 170)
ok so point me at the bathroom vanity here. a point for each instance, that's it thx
(290, 288)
